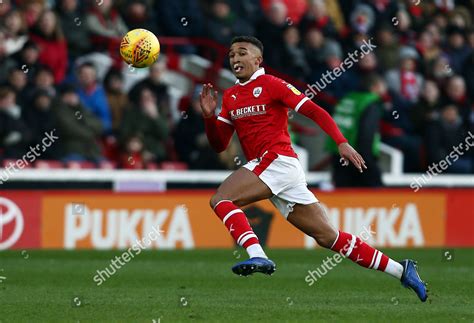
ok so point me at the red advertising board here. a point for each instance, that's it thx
(460, 220)
(20, 220)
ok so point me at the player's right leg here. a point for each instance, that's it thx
(241, 188)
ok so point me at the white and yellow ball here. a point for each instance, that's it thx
(140, 48)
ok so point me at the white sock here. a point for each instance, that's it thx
(394, 268)
(256, 250)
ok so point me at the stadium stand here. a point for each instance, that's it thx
(60, 69)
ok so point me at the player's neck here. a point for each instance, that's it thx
(249, 77)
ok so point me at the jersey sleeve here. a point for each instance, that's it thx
(287, 94)
(224, 115)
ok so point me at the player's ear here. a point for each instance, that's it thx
(259, 60)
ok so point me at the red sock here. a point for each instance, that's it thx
(351, 246)
(236, 222)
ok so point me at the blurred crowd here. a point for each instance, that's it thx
(424, 55)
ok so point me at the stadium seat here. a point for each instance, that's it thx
(226, 79)
(178, 81)
(107, 165)
(194, 65)
(151, 166)
(49, 164)
(167, 165)
(7, 162)
(80, 165)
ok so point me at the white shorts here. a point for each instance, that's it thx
(285, 178)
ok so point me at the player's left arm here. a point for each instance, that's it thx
(296, 100)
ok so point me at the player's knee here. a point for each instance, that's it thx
(216, 198)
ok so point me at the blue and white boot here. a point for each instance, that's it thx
(411, 279)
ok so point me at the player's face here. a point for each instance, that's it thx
(244, 60)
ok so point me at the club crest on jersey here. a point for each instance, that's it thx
(257, 91)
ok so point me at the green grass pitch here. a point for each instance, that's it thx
(198, 286)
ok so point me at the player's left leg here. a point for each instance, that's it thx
(313, 221)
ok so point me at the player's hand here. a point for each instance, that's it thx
(208, 100)
(350, 154)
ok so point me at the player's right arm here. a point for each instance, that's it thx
(218, 130)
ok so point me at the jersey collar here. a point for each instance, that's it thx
(259, 72)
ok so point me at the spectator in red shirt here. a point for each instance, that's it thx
(53, 49)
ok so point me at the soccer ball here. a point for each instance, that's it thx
(140, 48)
